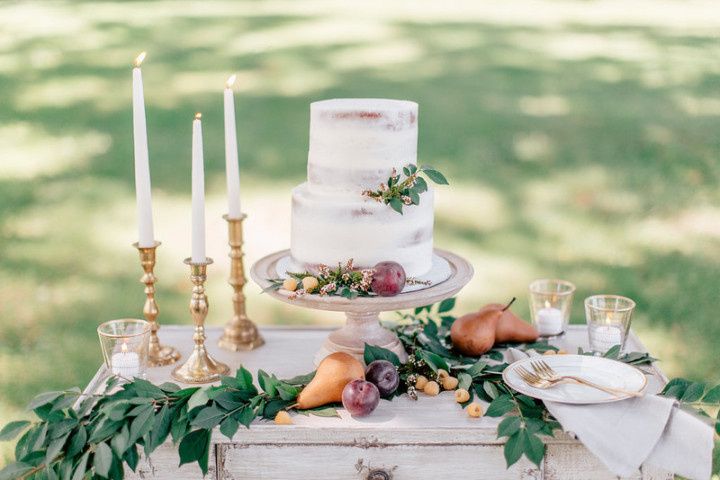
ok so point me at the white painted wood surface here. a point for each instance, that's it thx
(428, 439)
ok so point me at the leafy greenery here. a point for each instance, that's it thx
(76, 433)
(399, 192)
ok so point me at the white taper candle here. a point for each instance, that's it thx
(198, 193)
(232, 173)
(142, 166)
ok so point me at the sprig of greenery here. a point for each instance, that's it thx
(399, 192)
(344, 281)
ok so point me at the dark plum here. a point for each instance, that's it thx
(388, 279)
(384, 376)
(360, 398)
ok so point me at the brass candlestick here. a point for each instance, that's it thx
(158, 355)
(240, 332)
(200, 367)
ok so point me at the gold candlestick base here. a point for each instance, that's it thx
(240, 332)
(200, 367)
(158, 355)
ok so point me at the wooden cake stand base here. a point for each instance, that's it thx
(362, 314)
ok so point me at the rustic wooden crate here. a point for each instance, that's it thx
(403, 439)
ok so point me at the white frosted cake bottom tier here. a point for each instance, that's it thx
(327, 229)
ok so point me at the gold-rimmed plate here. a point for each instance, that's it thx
(600, 370)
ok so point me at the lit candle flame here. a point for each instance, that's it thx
(230, 81)
(198, 116)
(124, 347)
(138, 61)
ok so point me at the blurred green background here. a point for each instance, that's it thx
(580, 138)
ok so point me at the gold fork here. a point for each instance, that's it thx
(546, 372)
(537, 381)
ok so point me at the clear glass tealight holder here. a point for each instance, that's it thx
(608, 319)
(550, 305)
(124, 346)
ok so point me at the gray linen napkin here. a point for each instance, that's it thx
(647, 430)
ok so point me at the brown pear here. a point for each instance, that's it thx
(334, 372)
(513, 329)
(474, 333)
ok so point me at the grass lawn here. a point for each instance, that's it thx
(580, 138)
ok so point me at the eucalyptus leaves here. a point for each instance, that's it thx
(399, 192)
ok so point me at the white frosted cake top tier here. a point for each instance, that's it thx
(355, 143)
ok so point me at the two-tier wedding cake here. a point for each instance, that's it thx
(355, 145)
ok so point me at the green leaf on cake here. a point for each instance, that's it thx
(435, 176)
(396, 204)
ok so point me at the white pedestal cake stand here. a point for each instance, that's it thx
(363, 322)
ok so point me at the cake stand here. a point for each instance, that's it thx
(362, 313)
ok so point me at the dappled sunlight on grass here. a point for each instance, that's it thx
(29, 151)
(580, 139)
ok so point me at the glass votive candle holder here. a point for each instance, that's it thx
(608, 318)
(550, 304)
(124, 346)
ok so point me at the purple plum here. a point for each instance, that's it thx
(360, 398)
(384, 375)
(388, 279)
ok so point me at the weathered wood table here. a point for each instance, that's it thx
(429, 438)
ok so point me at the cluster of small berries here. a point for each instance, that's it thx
(448, 382)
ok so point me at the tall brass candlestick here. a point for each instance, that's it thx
(200, 367)
(240, 332)
(158, 355)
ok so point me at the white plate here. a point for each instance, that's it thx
(603, 371)
(439, 272)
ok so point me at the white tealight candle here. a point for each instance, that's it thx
(549, 321)
(142, 166)
(124, 363)
(604, 337)
(232, 174)
(198, 193)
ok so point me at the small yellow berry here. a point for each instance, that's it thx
(549, 352)
(290, 284)
(421, 382)
(462, 395)
(310, 284)
(449, 383)
(431, 388)
(475, 410)
(442, 374)
(283, 418)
